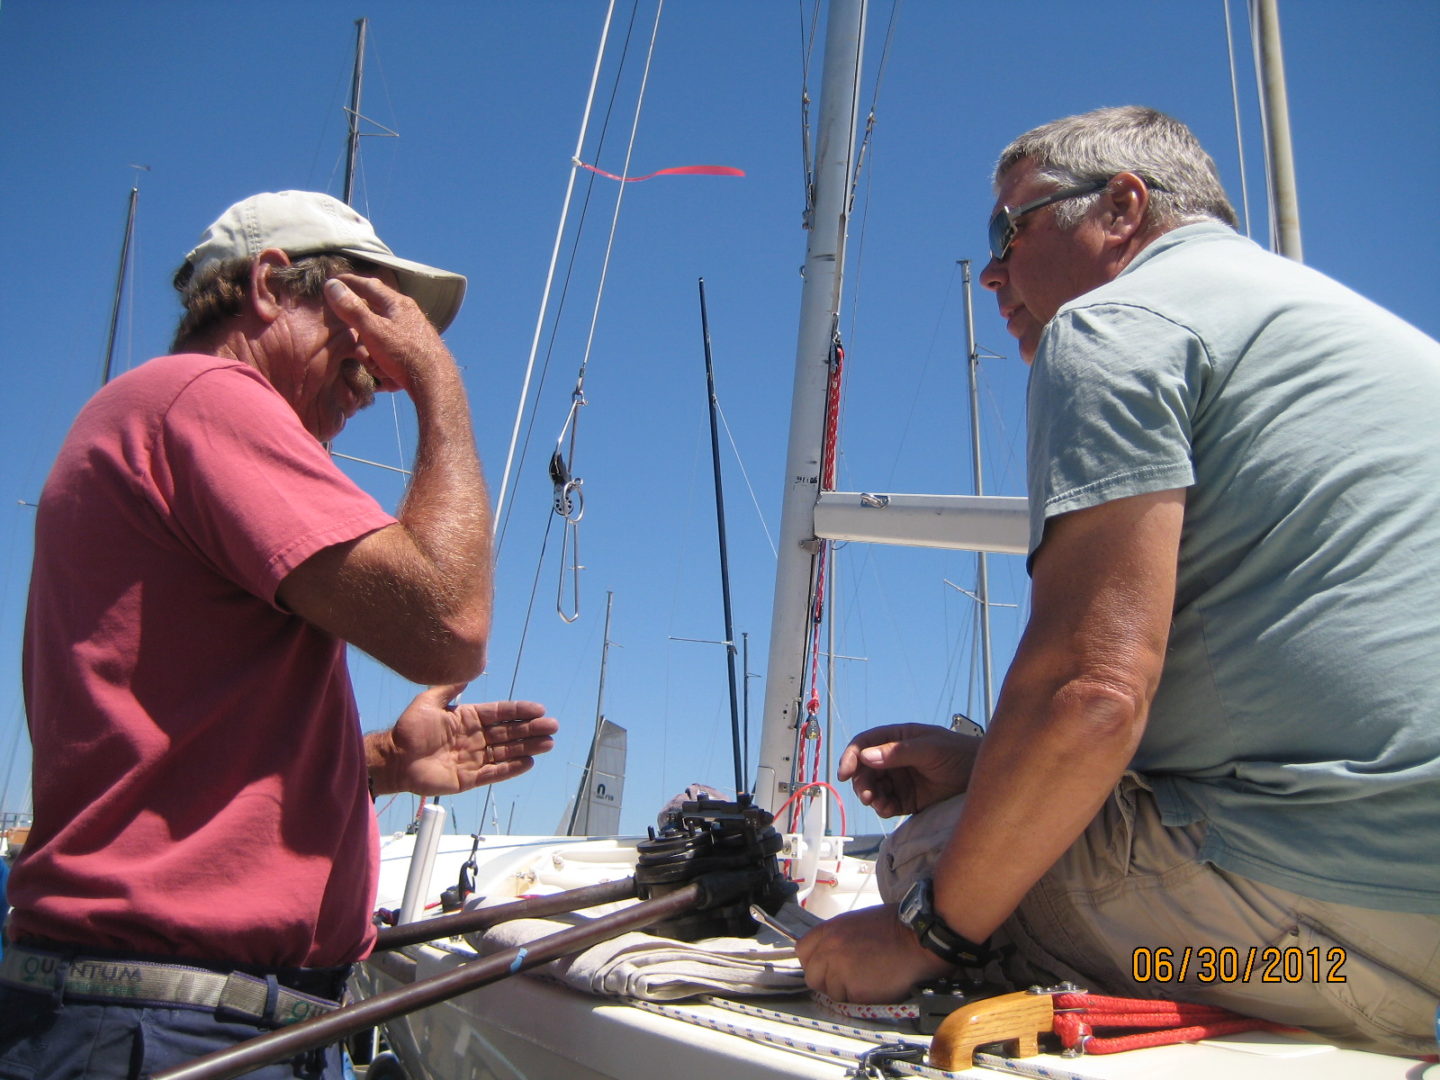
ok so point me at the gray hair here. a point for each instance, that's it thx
(217, 294)
(1184, 183)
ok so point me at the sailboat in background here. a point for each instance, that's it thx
(594, 810)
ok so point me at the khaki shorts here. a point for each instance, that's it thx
(1131, 910)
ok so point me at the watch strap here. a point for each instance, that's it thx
(936, 935)
(954, 948)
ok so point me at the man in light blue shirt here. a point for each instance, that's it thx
(1220, 736)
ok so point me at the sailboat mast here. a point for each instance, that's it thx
(724, 547)
(352, 144)
(827, 218)
(982, 568)
(108, 365)
(1275, 111)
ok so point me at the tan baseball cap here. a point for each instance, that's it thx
(307, 223)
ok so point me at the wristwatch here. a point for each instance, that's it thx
(917, 912)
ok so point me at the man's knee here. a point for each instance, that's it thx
(911, 851)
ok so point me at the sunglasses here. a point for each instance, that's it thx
(1002, 225)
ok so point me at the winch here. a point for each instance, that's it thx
(704, 838)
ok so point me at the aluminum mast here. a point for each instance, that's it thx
(828, 215)
(1275, 112)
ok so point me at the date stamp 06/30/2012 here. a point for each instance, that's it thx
(1228, 964)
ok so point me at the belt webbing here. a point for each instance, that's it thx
(144, 982)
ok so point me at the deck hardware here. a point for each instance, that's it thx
(876, 1061)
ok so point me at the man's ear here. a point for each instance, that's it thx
(266, 300)
(1126, 199)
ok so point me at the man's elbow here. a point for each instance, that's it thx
(472, 640)
(457, 669)
(465, 644)
(1110, 711)
(451, 652)
(452, 662)
(469, 654)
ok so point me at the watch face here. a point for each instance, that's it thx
(913, 905)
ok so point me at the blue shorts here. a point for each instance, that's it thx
(41, 1039)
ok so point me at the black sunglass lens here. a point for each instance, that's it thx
(1001, 233)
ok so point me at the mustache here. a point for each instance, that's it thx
(362, 382)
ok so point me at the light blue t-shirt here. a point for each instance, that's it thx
(1298, 714)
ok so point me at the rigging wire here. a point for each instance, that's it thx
(965, 647)
(619, 197)
(870, 118)
(339, 93)
(520, 645)
(562, 303)
(1235, 108)
(577, 397)
(859, 263)
(563, 466)
(399, 440)
(749, 487)
(860, 155)
(807, 53)
(502, 519)
(500, 506)
(530, 607)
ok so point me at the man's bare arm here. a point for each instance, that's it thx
(1071, 713)
(415, 595)
(1074, 704)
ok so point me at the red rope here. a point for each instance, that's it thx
(832, 420)
(1079, 1015)
(834, 794)
(809, 728)
(809, 732)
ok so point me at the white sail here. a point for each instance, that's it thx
(596, 809)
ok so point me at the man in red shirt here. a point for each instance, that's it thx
(202, 786)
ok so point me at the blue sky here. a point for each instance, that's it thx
(224, 99)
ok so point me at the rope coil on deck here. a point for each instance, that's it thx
(1079, 1014)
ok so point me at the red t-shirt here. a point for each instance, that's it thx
(200, 785)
